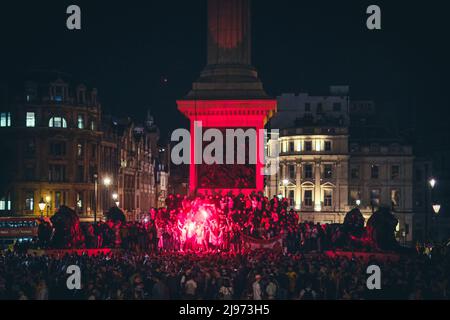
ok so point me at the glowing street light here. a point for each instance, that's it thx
(432, 182)
(358, 202)
(285, 182)
(42, 206)
(107, 181)
(436, 208)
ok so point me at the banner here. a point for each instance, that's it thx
(271, 244)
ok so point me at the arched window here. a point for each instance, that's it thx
(57, 122)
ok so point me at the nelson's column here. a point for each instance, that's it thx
(228, 95)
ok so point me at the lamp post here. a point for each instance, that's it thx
(48, 200)
(42, 205)
(95, 196)
(107, 182)
(115, 197)
(358, 203)
(431, 183)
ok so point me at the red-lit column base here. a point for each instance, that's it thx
(227, 114)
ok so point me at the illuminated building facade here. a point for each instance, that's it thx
(329, 166)
(57, 146)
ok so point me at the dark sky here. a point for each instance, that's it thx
(125, 48)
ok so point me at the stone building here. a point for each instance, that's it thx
(329, 166)
(60, 149)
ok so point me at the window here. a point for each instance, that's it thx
(292, 172)
(327, 146)
(30, 148)
(93, 125)
(308, 198)
(354, 195)
(29, 173)
(319, 108)
(93, 151)
(59, 199)
(328, 171)
(79, 200)
(57, 173)
(291, 197)
(337, 107)
(5, 203)
(31, 119)
(308, 171)
(291, 146)
(308, 145)
(307, 107)
(395, 198)
(29, 200)
(57, 122)
(375, 197)
(80, 121)
(395, 172)
(80, 174)
(354, 172)
(79, 150)
(5, 119)
(57, 149)
(374, 172)
(328, 198)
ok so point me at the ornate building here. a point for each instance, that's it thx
(60, 150)
(329, 166)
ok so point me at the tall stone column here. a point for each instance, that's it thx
(229, 38)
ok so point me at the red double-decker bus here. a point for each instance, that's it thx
(17, 229)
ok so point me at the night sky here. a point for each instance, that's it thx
(127, 48)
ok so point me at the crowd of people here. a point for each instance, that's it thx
(204, 224)
(258, 275)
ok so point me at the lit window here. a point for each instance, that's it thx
(29, 201)
(5, 119)
(395, 197)
(31, 119)
(5, 203)
(80, 122)
(92, 125)
(79, 150)
(57, 122)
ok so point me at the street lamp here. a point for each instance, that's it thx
(436, 208)
(107, 181)
(358, 203)
(285, 182)
(42, 205)
(432, 182)
(48, 200)
(115, 197)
